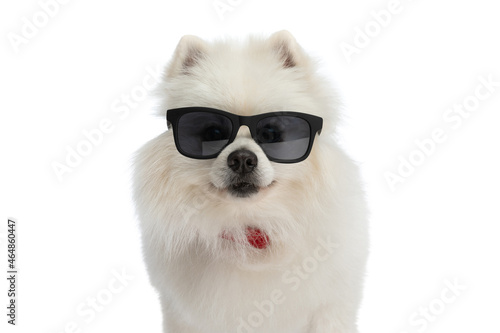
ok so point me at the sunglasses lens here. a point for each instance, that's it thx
(203, 134)
(283, 137)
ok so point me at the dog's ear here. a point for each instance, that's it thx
(189, 52)
(287, 48)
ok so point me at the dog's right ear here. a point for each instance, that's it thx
(287, 48)
(189, 52)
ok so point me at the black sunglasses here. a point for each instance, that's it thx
(202, 133)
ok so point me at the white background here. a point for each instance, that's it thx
(440, 224)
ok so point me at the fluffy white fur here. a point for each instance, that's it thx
(208, 284)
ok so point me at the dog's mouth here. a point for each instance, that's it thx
(243, 189)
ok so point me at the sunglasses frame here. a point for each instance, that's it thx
(173, 116)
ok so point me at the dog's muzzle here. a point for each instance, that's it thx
(242, 163)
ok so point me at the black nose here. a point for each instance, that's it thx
(242, 161)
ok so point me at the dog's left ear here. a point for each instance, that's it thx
(189, 52)
(287, 48)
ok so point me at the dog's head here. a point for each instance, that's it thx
(240, 187)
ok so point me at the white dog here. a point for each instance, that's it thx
(253, 219)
